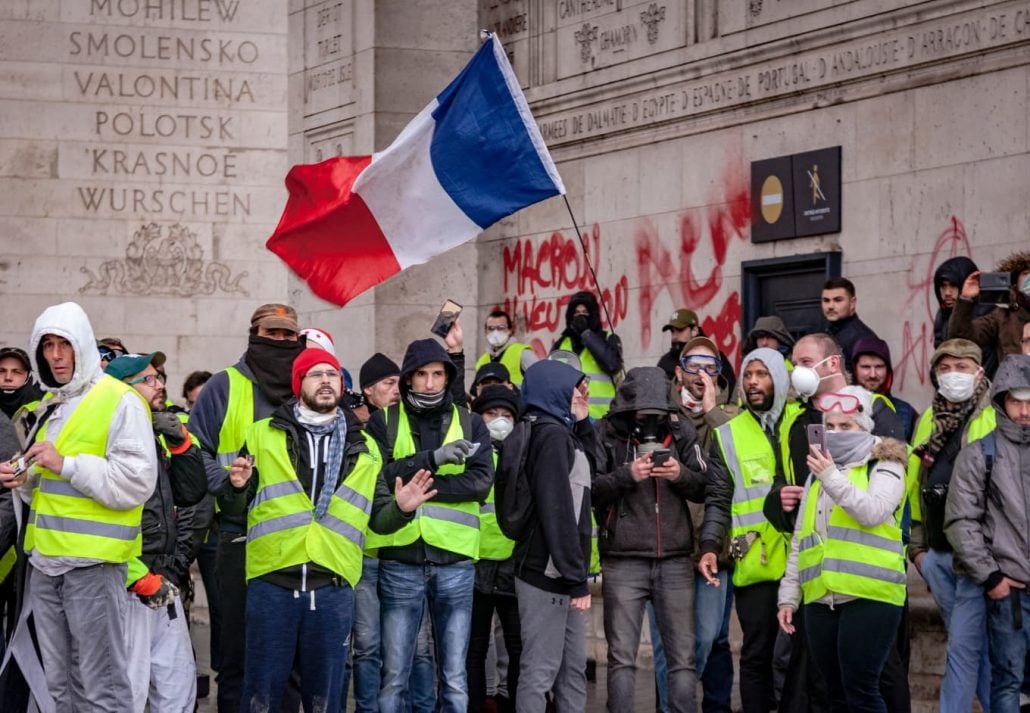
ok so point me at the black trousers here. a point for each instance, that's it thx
(756, 610)
(230, 569)
(483, 608)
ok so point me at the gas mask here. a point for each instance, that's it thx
(806, 379)
(649, 431)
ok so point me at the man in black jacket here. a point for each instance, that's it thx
(161, 664)
(431, 557)
(647, 533)
(839, 309)
(599, 351)
(551, 564)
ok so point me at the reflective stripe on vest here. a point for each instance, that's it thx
(511, 357)
(7, 562)
(281, 529)
(602, 386)
(447, 526)
(976, 428)
(239, 415)
(751, 462)
(493, 545)
(63, 521)
(853, 560)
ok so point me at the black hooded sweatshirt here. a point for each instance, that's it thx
(606, 348)
(555, 556)
(428, 428)
(649, 518)
(955, 271)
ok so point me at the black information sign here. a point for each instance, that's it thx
(817, 192)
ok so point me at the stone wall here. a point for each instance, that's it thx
(142, 151)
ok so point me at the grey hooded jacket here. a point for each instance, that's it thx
(988, 524)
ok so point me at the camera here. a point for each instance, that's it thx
(994, 288)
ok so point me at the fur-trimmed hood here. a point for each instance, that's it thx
(890, 449)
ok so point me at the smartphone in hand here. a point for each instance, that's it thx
(817, 437)
(660, 456)
(447, 316)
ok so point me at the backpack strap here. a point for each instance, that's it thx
(989, 447)
(465, 421)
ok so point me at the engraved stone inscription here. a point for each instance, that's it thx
(328, 67)
(890, 51)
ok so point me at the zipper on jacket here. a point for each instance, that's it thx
(658, 516)
(313, 445)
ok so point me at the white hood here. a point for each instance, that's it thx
(774, 362)
(69, 321)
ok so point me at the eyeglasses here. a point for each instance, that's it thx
(151, 380)
(845, 403)
(320, 375)
(701, 362)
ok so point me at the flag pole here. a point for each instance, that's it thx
(586, 258)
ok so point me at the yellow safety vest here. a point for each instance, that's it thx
(751, 462)
(853, 560)
(493, 545)
(239, 416)
(281, 529)
(976, 428)
(602, 385)
(448, 526)
(511, 357)
(64, 522)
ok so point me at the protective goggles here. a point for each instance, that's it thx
(695, 363)
(109, 354)
(847, 404)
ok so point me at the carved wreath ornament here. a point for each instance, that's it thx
(155, 264)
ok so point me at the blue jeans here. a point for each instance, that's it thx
(714, 658)
(365, 638)
(422, 684)
(403, 590)
(964, 611)
(1008, 647)
(310, 628)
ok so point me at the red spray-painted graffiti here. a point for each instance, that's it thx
(540, 277)
(917, 334)
(659, 269)
(556, 265)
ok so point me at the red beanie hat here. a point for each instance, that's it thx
(307, 359)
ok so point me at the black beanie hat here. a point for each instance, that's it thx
(497, 395)
(378, 367)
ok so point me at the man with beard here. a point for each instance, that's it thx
(749, 450)
(599, 351)
(873, 371)
(431, 557)
(231, 401)
(307, 476)
(703, 404)
(999, 332)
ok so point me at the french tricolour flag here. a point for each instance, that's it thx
(470, 158)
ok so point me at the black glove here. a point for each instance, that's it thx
(580, 323)
(453, 453)
(167, 424)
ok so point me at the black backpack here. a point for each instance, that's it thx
(513, 497)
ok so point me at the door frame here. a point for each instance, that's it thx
(752, 272)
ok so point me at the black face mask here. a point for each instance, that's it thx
(271, 360)
(580, 323)
(651, 428)
(677, 347)
(11, 401)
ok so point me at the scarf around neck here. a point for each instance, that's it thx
(949, 417)
(336, 429)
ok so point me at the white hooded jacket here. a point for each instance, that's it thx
(125, 477)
